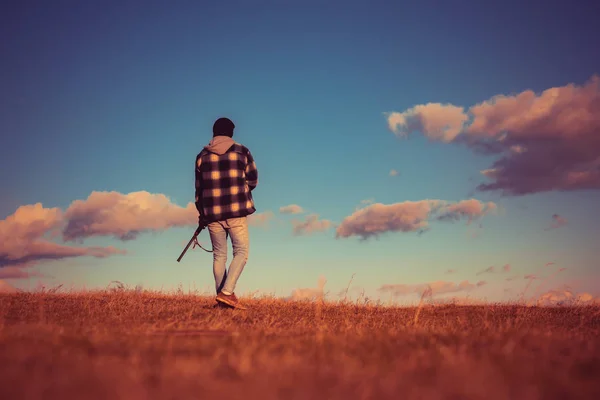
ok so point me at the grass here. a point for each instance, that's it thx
(142, 345)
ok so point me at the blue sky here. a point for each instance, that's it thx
(121, 96)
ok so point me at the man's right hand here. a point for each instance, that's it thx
(201, 222)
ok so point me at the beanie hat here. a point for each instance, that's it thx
(223, 127)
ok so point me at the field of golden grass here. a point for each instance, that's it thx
(143, 345)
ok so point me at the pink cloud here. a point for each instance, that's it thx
(565, 297)
(311, 224)
(124, 216)
(408, 216)
(557, 222)
(310, 293)
(492, 269)
(430, 288)
(488, 270)
(543, 142)
(23, 242)
(291, 209)
(18, 273)
(25, 236)
(260, 219)
(6, 287)
(437, 121)
(469, 209)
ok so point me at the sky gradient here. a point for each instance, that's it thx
(406, 143)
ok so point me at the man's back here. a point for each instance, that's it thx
(225, 176)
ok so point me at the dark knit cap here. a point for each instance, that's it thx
(223, 127)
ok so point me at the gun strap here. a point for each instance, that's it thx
(196, 243)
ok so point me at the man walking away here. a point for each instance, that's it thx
(226, 174)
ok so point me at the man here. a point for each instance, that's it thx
(226, 174)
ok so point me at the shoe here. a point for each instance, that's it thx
(221, 305)
(229, 299)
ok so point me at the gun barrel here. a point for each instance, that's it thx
(186, 249)
(190, 243)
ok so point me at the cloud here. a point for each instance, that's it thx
(291, 209)
(311, 224)
(565, 297)
(35, 251)
(437, 121)
(458, 301)
(531, 276)
(393, 172)
(434, 288)
(512, 278)
(557, 222)
(492, 269)
(542, 142)
(350, 291)
(408, 216)
(26, 236)
(364, 203)
(17, 273)
(469, 209)
(450, 271)
(6, 287)
(24, 239)
(488, 270)
(29, 222)
(310, 293)
(124, 216)
(260, 219)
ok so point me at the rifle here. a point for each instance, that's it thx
(194, 240)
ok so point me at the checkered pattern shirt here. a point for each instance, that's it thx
(224, 183)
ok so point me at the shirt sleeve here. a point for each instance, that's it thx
(198, 175)
(251, 171)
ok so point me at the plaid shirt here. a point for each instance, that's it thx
(224, 183)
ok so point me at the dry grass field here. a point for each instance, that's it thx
(131, 345)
